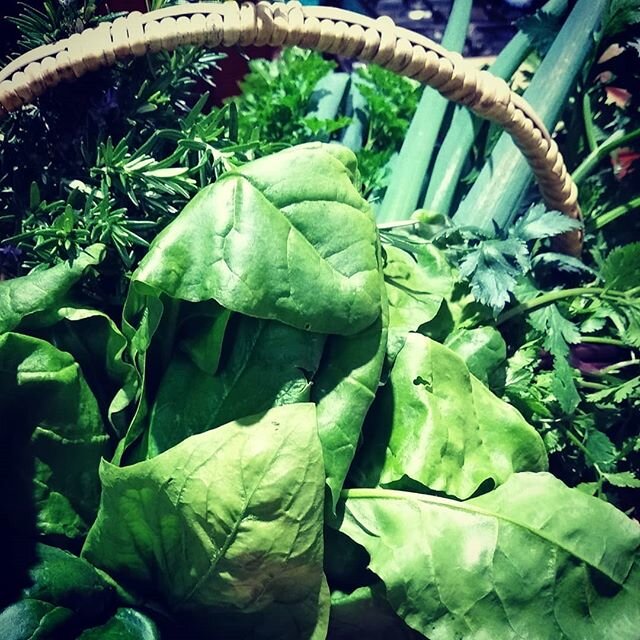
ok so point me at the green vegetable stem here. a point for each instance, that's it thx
(410, 169)
(494, 197)
(455, 148)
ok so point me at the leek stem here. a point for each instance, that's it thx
(450, 161)
(494, 198)
(409, 171)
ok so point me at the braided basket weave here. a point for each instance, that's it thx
(324, 29)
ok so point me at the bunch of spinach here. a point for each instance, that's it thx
(290, 448)
(287, 430)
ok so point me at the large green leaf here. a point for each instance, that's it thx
(125, 624)
(46, 398)
(268, 241)
(437, 424)
(483, 350)
(66, 594)
(25, 299)
(225, 528)
(414, 299)
(268, 364)
(159, 328)
(343, 390)
(30, 619)
(98, 346)
(532, 559)
(42, 303)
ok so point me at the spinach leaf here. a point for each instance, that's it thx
(46, 398)
(532, 559)
(268, 364)
(436, 424)
(343, 390)
(98, 346)
(29, 298)
(291, 262)
(67, 594)
(414, 298)
(30, 618)
(483, 350)
(202, 331)
(41, 304)
(267, 241)
(224, 529)
(365, 613)
(125, 624)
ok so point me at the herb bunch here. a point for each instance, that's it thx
(111, 158)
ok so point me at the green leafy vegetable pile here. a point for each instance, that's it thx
(234, 406)
(292, 453)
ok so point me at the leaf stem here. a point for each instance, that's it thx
(577, 442)
(597, 340)
(587, 115)
(615, 213)
(594, 386)
(616, 366)
(548, 298)
(613, 142)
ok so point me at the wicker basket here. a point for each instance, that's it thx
(324, 29)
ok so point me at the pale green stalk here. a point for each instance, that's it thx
(496, 194)
(457, 144)
(409, 171)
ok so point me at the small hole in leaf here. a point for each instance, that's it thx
(421, 381)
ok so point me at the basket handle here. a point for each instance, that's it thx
(324, 29)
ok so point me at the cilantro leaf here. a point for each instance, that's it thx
(622, 479)
(620, 15)
(558, 332)
(563, 386)
(492, 268)
(539, 223)
(600, 448)
(617, 393)
(541, 28)
(562, 262)
(621, 269)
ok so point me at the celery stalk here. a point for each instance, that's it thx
(409, 171)
(455, 148)
(496, 194)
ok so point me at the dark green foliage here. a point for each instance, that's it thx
(392, 101)
(275, 98)
(279, 104)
